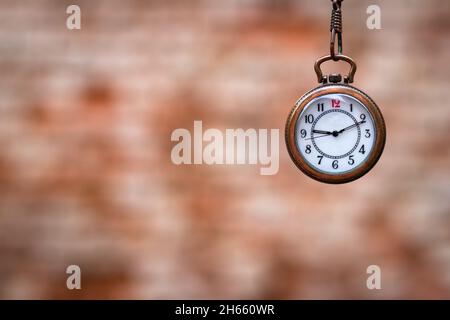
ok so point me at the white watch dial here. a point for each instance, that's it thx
(335, 133)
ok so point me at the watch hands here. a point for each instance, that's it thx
(352, 126)
(334, 133)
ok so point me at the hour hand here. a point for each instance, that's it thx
(322, 132)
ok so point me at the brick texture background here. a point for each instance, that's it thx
(86, 176)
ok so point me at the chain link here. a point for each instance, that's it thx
(336, 28)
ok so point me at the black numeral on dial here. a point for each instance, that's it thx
(367, 135)
(351, 161)
(309, 118)
(320, 159)
(320, 107)
(303, 133)
(335, 164)
(362, 150)
(308, 149)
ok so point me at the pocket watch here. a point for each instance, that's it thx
(335, 133)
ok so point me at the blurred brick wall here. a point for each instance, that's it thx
(86, 176)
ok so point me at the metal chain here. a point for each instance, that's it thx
(336, 28)
(336, 32)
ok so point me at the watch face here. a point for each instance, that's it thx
(335, 133)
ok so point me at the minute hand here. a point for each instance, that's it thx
(352, 126)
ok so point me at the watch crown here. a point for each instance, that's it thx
(334, 78)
